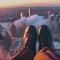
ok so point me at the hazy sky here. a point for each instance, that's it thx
(8, 3)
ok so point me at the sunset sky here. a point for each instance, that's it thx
(11, 3)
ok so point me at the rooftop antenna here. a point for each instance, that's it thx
(29, 11)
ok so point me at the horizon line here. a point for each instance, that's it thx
(27, 6)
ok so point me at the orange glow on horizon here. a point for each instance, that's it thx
(10, 3)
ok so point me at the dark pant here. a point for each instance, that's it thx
(27, 54)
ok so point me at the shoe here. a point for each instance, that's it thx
(44, 37)
(30, 37)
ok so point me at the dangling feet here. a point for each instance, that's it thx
(44, 37)
(30, 37)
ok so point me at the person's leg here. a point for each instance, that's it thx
(29, 40)
(30, 37)
(46, 54)
(26, 54)
(44, 37)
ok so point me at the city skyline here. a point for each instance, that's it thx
(23, 3)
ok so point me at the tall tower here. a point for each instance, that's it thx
(21, 14)
(29, 11)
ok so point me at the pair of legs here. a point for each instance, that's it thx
(29, 40)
